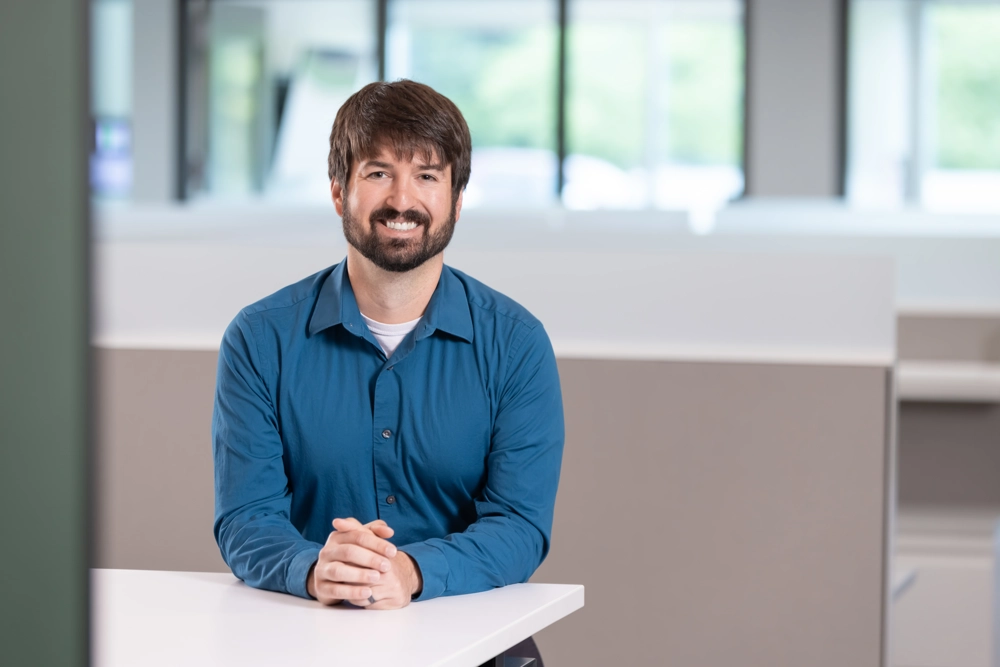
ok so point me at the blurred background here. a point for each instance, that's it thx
(763, 235)
(541, 83)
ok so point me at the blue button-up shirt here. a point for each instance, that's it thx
(455, 440)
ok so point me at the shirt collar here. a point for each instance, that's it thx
(447, 311)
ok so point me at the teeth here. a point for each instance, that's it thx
(402, 226)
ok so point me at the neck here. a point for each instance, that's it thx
(389, 297)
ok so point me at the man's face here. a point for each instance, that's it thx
(398, 213)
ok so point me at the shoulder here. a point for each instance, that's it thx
(286, 310)
(487, 303)
(301, 294)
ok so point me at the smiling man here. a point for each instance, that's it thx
(403, 404)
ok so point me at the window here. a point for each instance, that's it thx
(497, 60)
(655, 108)
(111, 98)
(924, 123)
(264, 82)
(651, 113)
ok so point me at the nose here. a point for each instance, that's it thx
(401, 195)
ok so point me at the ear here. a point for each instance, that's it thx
(458, 205)
(337, 193)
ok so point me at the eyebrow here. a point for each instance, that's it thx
(420, 167)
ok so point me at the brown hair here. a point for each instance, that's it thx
(408, 117)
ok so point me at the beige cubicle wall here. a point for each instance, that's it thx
(722, 513)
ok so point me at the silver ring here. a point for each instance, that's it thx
(371, 599)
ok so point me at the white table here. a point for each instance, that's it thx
(144, 618)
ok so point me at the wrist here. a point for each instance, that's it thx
(310, 586)
(416, 581)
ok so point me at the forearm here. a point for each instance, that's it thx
(252, 497)
(495, 551)
(267, 552)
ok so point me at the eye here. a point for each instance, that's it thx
(377, 174)
(428, 177)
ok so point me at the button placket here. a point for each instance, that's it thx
(384, 417)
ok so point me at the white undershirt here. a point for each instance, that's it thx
(389, 336)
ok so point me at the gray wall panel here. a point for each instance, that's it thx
(720, 514)
(949, 338)
(155, 93)
(949, 455)
(794, 108)
(155, 501)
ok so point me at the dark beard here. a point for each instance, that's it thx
(397, 255)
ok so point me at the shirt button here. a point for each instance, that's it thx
(390, 499)
(386, 433)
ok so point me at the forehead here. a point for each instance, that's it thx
(414, 155)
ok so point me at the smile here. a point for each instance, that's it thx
(401, 226)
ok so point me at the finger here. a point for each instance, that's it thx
(365, 550)
(385, 532)
(377, 527)
(349, 523)
(349, 574)
(330, 569)
(364, 538)
(336, 591)
(354, 554)
(373, 542)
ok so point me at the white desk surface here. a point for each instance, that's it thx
(145, 618)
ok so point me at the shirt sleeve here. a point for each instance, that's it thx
(511, 534)
(252, 498)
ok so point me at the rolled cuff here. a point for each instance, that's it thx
(433, 569)
(298, 572)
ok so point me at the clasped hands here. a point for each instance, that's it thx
(358, 564)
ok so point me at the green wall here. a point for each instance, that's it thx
(44, 365)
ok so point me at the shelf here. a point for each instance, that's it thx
(966, 382)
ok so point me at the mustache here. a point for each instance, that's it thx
(387, 213)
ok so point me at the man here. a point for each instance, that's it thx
(403, 403)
